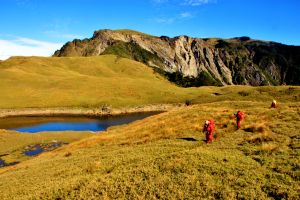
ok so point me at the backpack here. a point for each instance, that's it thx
(240, 115)
(212, 125)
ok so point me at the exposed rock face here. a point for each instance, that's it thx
(225, 62)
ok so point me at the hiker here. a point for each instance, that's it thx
(208, 129)
(273, 105)
(239, 117)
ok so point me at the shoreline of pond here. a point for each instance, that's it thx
(85, 112)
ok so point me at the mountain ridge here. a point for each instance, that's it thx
(191, 61)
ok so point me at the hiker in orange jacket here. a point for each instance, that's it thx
(208, 129)
(274, 103)
(239, 117)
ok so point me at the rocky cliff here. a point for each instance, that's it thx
(194, 61)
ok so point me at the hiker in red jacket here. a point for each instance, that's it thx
(273, 105)
(239, 117)
(209, 128)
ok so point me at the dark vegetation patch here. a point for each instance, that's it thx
(222, 44)
(188, 102)
(132, 50)
(275, 191)
(68, 154)
(295, 142)
(203, 79)
(253, 129)
(260, 138)
(243, 93)
(244, 38)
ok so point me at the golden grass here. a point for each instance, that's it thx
(269, 147)
(14, 143)
(82, 82)
(91, 82)
(162, 156)
(132, 32)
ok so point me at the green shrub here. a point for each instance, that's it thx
(238, 78)
(243, 93)
(188, 102)
(132, 50)
(222, 44)
(203, 79)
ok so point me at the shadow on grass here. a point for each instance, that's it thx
(250, 129)
(188, 139)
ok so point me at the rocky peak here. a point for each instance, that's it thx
(198, 61)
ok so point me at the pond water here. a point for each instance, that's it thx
(39, 124)
(36, 149)
(4, 164)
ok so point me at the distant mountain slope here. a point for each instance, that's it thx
(194, 61)
(84, 82)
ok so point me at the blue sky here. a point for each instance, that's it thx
(39, 27)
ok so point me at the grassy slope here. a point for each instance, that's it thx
(164, 156)
(105, 80)
(13, 144)
(82, 82)
(132, 32)
(155, 157)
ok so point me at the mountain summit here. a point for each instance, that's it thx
(194, 61)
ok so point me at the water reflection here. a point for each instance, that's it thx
(4, 164)
(63, 126)
(35, 151)
(39, 124)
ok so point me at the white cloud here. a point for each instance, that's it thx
(197, 2)
(165, 20)
(159, 1)
(185, 15)
(26, 47)
(172, 20)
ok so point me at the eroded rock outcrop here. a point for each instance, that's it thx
(198, 61)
